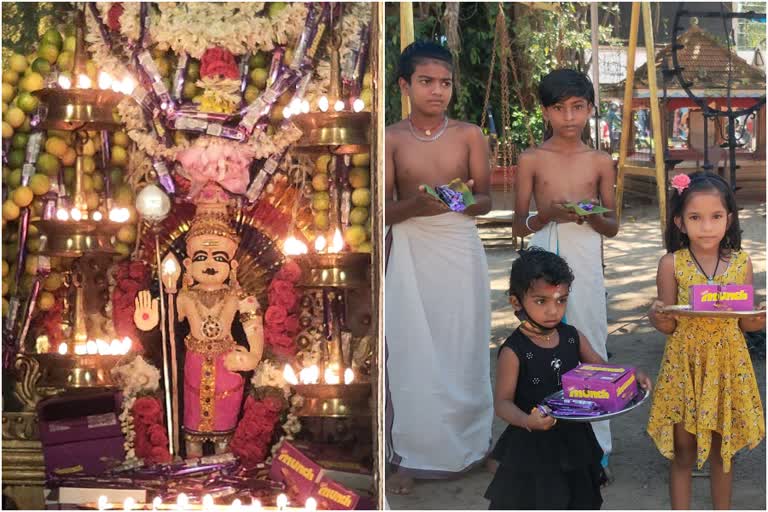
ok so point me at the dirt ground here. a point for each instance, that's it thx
(641, 473)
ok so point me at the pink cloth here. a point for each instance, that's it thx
(227, 398)
(224, 164)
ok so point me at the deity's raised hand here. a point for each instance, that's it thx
(146, 316)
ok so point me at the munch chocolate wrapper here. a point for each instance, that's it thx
(178, 76)
(306, 37)
(263, 176)
(276, 65)
(147, 64)
(164, 176)
(455, 195)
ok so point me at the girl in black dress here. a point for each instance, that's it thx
(543, 463)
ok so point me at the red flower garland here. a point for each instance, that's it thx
(151, 442)
(218, 62)
(253, 436)
(131, 277)
(280, 320)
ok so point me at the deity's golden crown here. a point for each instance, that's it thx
(212, 223)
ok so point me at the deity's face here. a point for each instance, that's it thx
(210, 259)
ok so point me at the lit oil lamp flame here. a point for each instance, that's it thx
(338, 242)
(256, 506)
(323, 104)
(91, 347)
(156, 503)
(294, 246)
(97, 216)
(338, 106)
(182, 501)
(207, 502)
(305, 107)
(331, 376)
(63, 349)
(320, 243)
(102, 503)
(76, 214)
(309, 375)
(105, 80)
(80, 349)
(129, 503)
(310, 505)
(358, 105)
(349, 376)
(62, 214)
(289, 375)
(287, 112)
(282, 502)
(64, 82)
(83, 82)
(127, 85)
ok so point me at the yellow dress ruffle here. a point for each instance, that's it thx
(707, 381)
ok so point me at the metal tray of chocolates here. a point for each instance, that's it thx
(636, 402)
(686, 310)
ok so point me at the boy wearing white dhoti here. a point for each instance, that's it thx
(437, 295)
(562, 170)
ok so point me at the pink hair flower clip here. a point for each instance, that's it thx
(681, 182)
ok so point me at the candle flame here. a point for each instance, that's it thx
(207, 502)
(63, 348)
(310, 505)
(102, 502)
(256, 505)
(338, 242)
(323, 104)
(289, 375)
(129, 503)
(156, 503)
(358, 105)
(320, 243)
(349, 376)
(182, 500)
(293, 246)
(83, 82)
(237, 504)
(105, 80)
(282, 502)
(65, 82)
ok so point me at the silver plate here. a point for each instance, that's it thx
(636, 402)
(685, 310)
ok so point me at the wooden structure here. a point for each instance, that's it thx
(658, 167)
(705, 62)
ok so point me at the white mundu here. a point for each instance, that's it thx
(580, 247)
(437, 326)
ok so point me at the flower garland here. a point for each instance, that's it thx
(139, 378)
(281, 322)
(151, 440)
(253, 436)
(239, 27)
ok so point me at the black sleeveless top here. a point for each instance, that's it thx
(567, 445)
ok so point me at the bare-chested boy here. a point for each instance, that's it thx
(439, 407)
(564, 169)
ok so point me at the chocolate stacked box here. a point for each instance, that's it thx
(594, 390)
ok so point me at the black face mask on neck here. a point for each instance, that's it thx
(524, 317)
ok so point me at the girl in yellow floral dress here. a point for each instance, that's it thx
(706, 403)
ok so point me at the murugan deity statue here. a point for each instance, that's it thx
(209, 300)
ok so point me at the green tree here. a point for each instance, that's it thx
(541, 40)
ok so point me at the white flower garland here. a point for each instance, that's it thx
(239, 27)
(135, 377)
